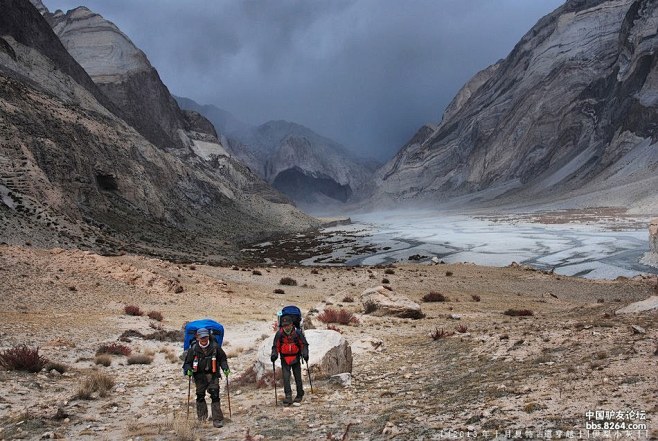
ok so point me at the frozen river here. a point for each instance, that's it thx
(595, 250)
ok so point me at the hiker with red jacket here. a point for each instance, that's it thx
(203, 360)
(291, 344)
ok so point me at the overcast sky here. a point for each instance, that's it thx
(367, 73)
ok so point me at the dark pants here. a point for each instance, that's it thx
(206, 382)
(297, 372)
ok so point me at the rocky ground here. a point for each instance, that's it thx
(491, 375)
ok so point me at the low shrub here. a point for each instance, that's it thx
(103, 360)
(289, 281)
(315, 271)
(438, 334)
(434, 296)
(140, 359)
(348, 299)
(389, 271)
(340, 316)
(114, 349)
(256, 273)
(96, 382)
(279, 291)
(156, 315)
(475, 297)
(518, 312)
(334, 328)
(22, 358)
(449, 273)
(133, 310)
(385, 280)
(461, 329)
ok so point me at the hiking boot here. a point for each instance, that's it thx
(287, 401)
(299, 398)
(217, 415)
(201, 410)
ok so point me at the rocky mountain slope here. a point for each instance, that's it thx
(73, 172)
(309, 168)
(567, 118)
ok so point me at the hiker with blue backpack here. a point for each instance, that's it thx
(203, 361)
(290, 342)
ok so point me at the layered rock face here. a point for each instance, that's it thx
(569, 115)
(122, 72)
(73, 173)
(310, 169)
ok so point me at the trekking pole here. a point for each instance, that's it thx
(276, 401)
(189, 387)
(308, 371)
(228, 393)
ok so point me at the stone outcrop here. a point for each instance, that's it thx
(74, 173)
(381, 302)
(123, 73)
(653, 236)
(329, 354)
(569, 112)
(645, 305)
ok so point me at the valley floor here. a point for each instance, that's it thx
(548, 375)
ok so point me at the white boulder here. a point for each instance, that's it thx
(381, 302)
(329, 354)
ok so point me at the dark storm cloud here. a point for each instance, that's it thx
(367, 73)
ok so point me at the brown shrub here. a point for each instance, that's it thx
(256, 273)
(438, 334)
(449, 273)
(140, 359)
(22, 358)
(340, 316)
(103, 359)
(476, 298)
(279, 291)
(389, 271)
(461, 329)
(385, 280)
(114, 349)
(434, 296)
(133, 310)
(518, 312)
(288, 281)
(156, 315)
(348, 299)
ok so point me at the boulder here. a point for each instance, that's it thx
(645, 305)
(381, 302)
(329, 354)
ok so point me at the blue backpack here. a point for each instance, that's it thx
(292, 311)
(215, 329)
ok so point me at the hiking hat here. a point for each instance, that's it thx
(286, 320)
(202, 332)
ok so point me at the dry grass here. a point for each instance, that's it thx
(96, 382)
(103, 359)
(140, 359)
(59, 367)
